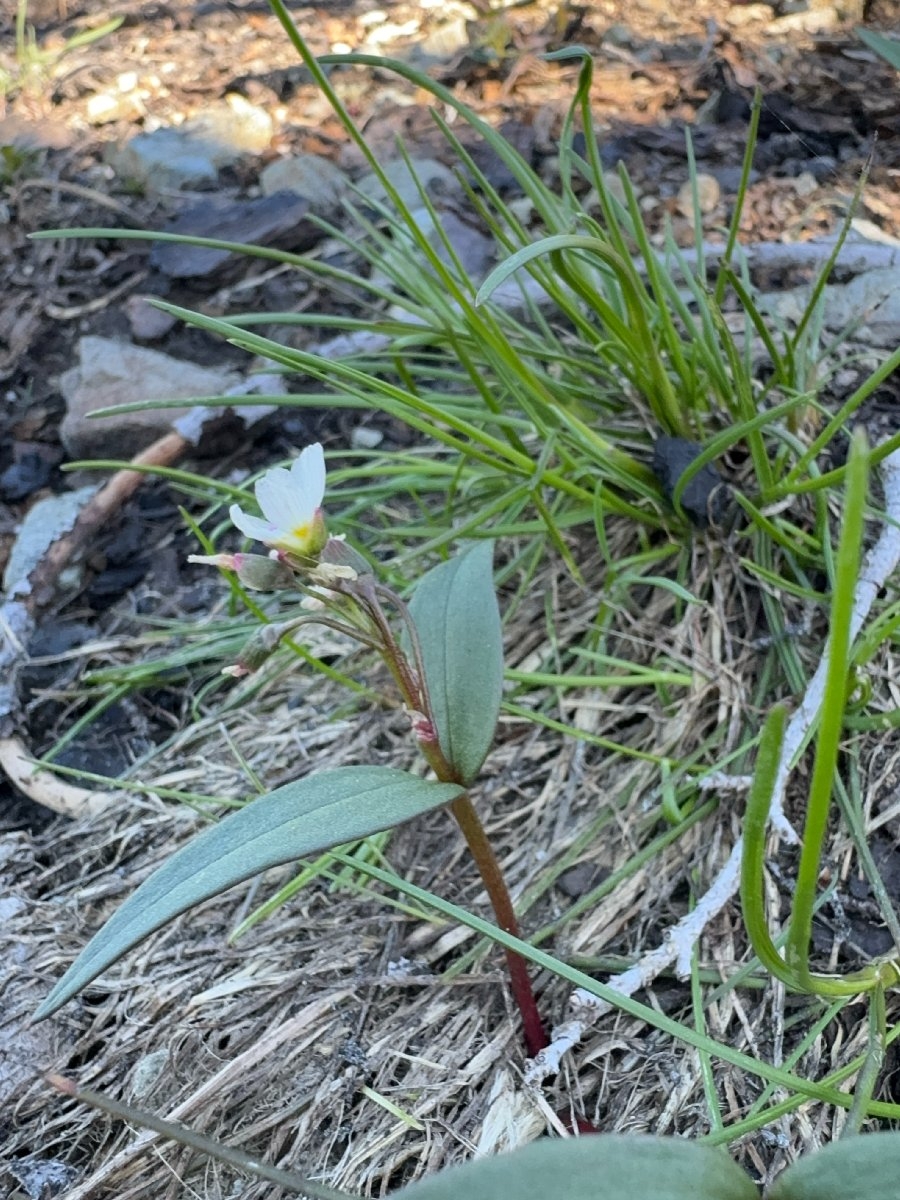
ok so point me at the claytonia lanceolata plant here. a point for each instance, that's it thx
(444, 652)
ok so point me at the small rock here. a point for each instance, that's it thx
(166, 159)
(321, 184)
(102, 108)
(706, 496)
(730, 178)
(432, 176)
(363, 437)
(111, 372)
(147, 322)
(580, 879)
(614, 186)
(385, 33)
(42, 1178)
(442, 41)
(51, 642)
(191, 155)
(739, 15)
(234, 128)
(870, 302)
(522, 137)
(805, 183)
(277, 220)
(30, 469)
(815, 23)
(147, 1071)
(708, 195)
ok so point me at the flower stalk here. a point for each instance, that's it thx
(341, 591)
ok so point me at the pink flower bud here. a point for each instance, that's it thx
(226, 562)
(422, 727)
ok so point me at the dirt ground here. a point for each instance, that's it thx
(287, 1044)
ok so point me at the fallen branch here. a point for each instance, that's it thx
(679, 942)
(45, 788)
(858, 255)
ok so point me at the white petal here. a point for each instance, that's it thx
(253, 527)
(308, 472)
(277, 496)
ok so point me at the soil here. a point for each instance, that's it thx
(830, 106)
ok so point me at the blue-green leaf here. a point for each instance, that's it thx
(606, 1167)
(455, 611)
(886, 47)
(312, 814)
(856, 1168)
(527, 254)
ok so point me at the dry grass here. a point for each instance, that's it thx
(327, 1040)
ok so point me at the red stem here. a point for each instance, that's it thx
(413, 687)
(495, 886)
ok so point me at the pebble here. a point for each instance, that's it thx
(147, 322)
(316, 179)
(708, 195)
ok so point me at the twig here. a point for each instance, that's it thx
(859, 255)
(45, 788)
(678, 943)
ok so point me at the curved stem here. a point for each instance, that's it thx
(473, 831)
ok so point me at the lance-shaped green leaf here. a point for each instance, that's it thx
(457, 618)
(886, 47)
(856, 1168)
(312, 814)
(606, 1167)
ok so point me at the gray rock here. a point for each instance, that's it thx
(46, 521)
(111, 372)
(321, 184)
(433, 176)
(191, 154)
(166, 159)
(147, 323)
(474, 250)
(870, 302)
(277, 220)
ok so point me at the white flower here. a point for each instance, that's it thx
(291, 504)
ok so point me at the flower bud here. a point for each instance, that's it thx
(226, 562)
(422, 727)
(262, 574)
(257, 650)
(255, 571)
(336, 552)
(329, 574)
